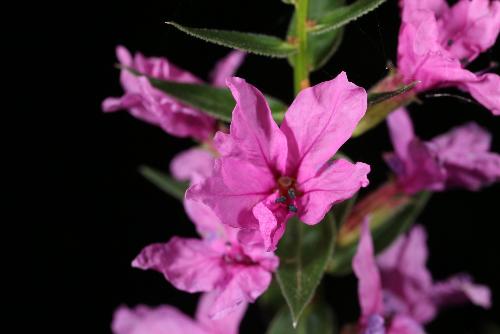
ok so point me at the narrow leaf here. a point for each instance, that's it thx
(343, 15)
(304, 253)
(260, 44)
(374, 98)
(388, 221)
(170, 186)
(318, 318)
(380, 105)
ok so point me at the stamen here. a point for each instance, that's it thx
(450, 42)
(292, 208)
(291, 193)
(281, 199)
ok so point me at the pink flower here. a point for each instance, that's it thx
(217, 263)
(266, 174)
(458, 158)
(399, 288)
(436, 42)
(154, 106)
(166, 319)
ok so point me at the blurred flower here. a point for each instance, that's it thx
(458, 158)
(166, 319)
(151, 105)
(398, 286)
(437, 42)
(267, 174)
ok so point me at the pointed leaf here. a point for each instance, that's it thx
(260, 44)
(390, 219)
(321, 47)
(343, 15)
(380, 105)
(318, 318)
(215, 101)
(172, 187)
(304, 253)
(374, 98)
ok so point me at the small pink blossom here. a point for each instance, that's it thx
(151, 105)
(166, 319)
(217, 263)
(399, 288)
(266, 174)
(458, 158)
(437, 42)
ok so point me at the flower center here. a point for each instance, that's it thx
(287, 188)
(235, 255)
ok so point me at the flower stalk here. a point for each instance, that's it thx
(301, 68)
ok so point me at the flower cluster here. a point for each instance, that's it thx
(247, 181)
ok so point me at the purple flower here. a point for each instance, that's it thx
(151, 105)
(266, 174)
(398, 286)
(166, 319)
(458, 158)
(437, 42)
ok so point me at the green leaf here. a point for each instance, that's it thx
(215, 101)
(380, 105)
(260, 44)
(304, 253)
(343, 15)
(318, 318)
(321, 47)
(172, 187)
(375, 98)
(387, 222)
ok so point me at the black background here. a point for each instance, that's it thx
(101, 212)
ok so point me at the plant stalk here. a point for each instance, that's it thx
(301, 68)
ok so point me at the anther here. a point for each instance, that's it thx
(292, 208)
(291, 193)
(281, 199)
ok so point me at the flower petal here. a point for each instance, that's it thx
(189, 264)
(471, 27)
(149, 104)
(246, 285)
(254, 135)
(163, 319)
(459, 289)
(226, 67)
(486, 90)
(401, 131)
(234, 188)
(227, 325)
(192, 165)
(365, 269)
(272, 219)
(464, 152)
(422, 57)
(319, 121)
(336, 182)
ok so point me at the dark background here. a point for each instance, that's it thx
(101, 212)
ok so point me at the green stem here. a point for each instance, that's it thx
(301, 68)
